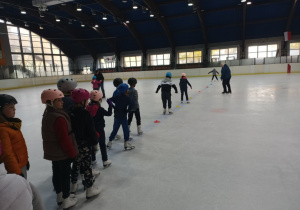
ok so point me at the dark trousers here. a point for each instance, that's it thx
(166, 98)
(102, 145)
(184, 91)
(226, 84)
(61, 176)
(137, 116)
(117, 124)
(83, 163)
(213, 77)
(102, 88)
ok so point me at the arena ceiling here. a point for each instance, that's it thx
(174, 22)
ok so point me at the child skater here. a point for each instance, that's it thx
(214, 72)
(135, 109)
(98, 113)
(59, 145)
(166, 85)
(96, 83)
(183, 87)
(121, 107)
(14, 150)
(67, 85)
(86, 137)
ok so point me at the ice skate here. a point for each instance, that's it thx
(74, 188)
(69, 202)
(117, 137)
(130, 136)
(139, 130)
(128, 146)
(106, 163)
(170, 111)
(109, 145)
(59, 198)
(188, 102)
(95, 172)
(94, 162)
(224, 92)
(92, 191)
(164, 112)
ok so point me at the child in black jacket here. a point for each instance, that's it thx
(183, 87)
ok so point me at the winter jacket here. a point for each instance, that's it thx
(98, 114)
(214, 71)
(96, 83)
(133, 96)
(99, 76)
(59, 141)
(225, 72)
(83, 126)
(183, 83)
(166, 85)
(122, 106)
(15, 191)
(14, 149)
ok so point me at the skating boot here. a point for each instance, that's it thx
(170, 111)
(128, 146)
(188, 102)
(139, 130)
(164, 112)
(224, 92)
(69, 202)
(109, 145)
(59, 198)
(74, 188)
(106, 163)
(130, 136)
(95, 172)
(92, 191)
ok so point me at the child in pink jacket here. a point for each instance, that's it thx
(96, 83)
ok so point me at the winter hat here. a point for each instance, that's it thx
(122, 88)
(169, 74)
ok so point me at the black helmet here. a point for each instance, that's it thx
(117, 81)
(132, 81)
(6, 99)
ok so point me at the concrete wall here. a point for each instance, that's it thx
(235, 70)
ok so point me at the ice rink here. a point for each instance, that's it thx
(239, 151)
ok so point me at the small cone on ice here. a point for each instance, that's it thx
(156, 121)
(177, 106)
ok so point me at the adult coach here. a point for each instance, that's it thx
(225, 77)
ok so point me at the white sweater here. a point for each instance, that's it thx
(15, 191)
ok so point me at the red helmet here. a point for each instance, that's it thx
(79, 95)
(51, 95)
(95, 95)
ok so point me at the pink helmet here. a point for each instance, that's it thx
(51, 95)
(79, 95)
(95, 95)
(183, 74)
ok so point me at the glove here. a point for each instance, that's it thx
(156, 92)
(191, 87)
(109, 102)
(96, 148)
(28, 166)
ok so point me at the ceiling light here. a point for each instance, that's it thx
(41, 27)
(249, 2)
(104, 17)
(243, 0)
(82, 24)
(8, 21)
(26, 24)
(57, 19)
(151, 14)
(190, 3)
(124, 1)
(78, 8)
(127, 21)
(134, 6)
(22, 11)
(93, 12)
(96, 25)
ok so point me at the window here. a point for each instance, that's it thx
(160, 59)
(190, 57)
(13, 35)
(65, 64)
(262, 51)
(295, 48)
(106, 65)
(223, 54)
(133, 61)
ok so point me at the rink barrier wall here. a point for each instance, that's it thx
(201, 72)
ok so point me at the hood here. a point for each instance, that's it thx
(92, 109)
(167, 79)
(14, 123)
(2, 169)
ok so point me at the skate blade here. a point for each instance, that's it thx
(129, 148)
(106, 166)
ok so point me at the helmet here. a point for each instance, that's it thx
(95, 95)
(132, 81)
(79, 95)
(66, 84)
(6, 99)
(94, 77)
(183, 74)
(122, 88)
(51, 95)
(169, 74)
(117, 82)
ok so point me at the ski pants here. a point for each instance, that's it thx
(61, 176)
(137, 117)
(117, 124)
(184, 91)
(101, 85)
(166, 98)
(83, 163)
(226, 83)
(213, 77)
(102, 145)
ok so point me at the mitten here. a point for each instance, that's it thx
(191, 87)
(28, 166)
(109, 102)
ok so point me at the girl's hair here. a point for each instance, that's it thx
(98, 103)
